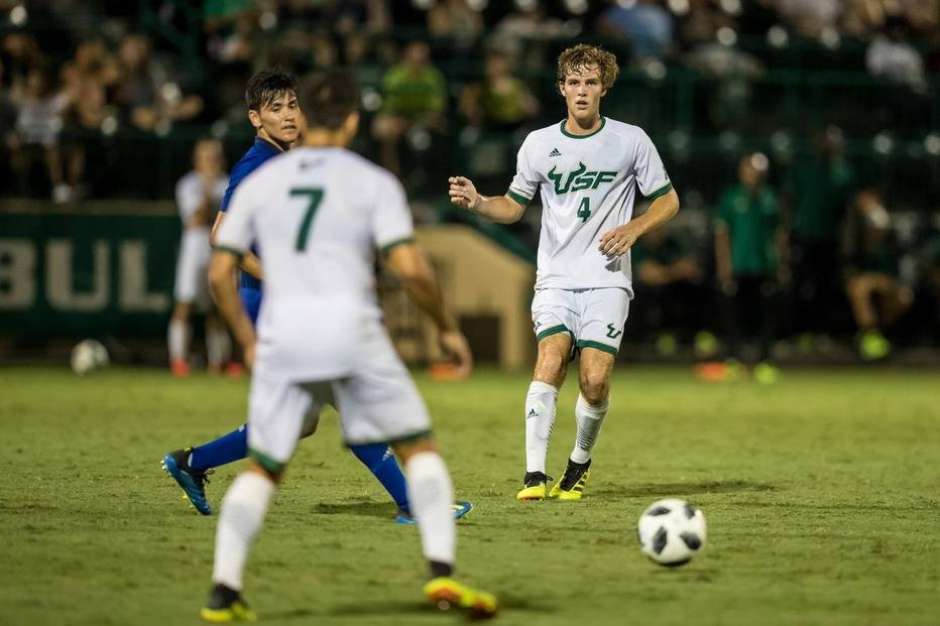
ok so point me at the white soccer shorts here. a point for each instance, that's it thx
(192, 266)
(594, 318)
(378, 402)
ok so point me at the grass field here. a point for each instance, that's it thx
(822, 495)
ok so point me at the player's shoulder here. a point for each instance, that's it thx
(630, 132)
(540, 135)
(366, 171)
(188, 179)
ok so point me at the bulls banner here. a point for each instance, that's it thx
(78, 274)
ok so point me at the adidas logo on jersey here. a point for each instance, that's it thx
(554, 152)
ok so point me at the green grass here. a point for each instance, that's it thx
(821, 494)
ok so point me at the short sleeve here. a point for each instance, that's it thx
(650, 172)
(238, 229)
(391, 221)
(525, 183)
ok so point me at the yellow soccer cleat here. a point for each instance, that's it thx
(571, 486)
(446, 593)
(226, 605)
(534, 486)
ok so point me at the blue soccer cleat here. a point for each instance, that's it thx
(460, 508)
(192, 483)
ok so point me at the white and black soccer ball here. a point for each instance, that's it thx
(671, 532)
(89, 355)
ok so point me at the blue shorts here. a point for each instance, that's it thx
(251, 300)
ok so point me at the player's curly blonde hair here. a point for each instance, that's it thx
(583, 56)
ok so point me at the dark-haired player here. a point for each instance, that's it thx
(320, 214)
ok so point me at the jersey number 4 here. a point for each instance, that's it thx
(584, 209)
(314, 198)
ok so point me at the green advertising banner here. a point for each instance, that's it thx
(77, 274)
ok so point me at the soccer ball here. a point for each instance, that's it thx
(671, 532)
(89, 355)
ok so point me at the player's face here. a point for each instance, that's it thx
(583, 91)
(279, 119)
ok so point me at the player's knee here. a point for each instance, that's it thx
(594, 386)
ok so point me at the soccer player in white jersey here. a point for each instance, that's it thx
(197, 195)
(317, 215)
(587, 170)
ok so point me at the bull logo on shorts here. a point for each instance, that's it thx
(612, 332)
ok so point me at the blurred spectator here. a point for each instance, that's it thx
(415, 95)
(817, 193)
(36, 134)
(891, 56)
(876, 294)
(748, 252)
(198, 195)
(668, 275)
(501, 102)
(456, 21)
(19, 54)
(149, 97)
(811, 17)
(645, 24)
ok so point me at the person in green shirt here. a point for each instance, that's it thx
(817, 193)
(749, 242)
(414, 93)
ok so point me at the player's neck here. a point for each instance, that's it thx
(323, 138)
(262, 135)
(574, 126)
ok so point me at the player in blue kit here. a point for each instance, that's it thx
(271, 97)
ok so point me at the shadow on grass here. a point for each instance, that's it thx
(506, 603)
(684, 489)
(364, 508)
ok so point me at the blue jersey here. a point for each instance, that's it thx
(256, 156)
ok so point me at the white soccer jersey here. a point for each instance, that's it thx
(317, 216)
(587, 186)
(190, 192)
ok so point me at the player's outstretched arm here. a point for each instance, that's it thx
(223, 285)
(408, 263)
(500, 209)
(250, 262)
(617, 241)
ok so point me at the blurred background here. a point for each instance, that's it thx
(819, 116)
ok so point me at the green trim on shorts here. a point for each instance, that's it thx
(553, 330)
(660, 192)
(413, 437)
(388, 247)
(518, 197)
(237, 253)
(597, 345)
(274, 467)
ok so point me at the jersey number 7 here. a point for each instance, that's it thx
(314, 198)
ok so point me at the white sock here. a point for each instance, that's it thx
(589, 420)
(218, 346)
(178, 339)
(539, 419)
(432, 494)
(242, 514)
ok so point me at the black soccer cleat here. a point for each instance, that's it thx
(533, 486)
(571, 485)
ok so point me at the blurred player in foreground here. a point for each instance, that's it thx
(587, 169)
(197, 195)
(319, 213)
(272, 110)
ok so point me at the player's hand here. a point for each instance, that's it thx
(463, 193)
(456, 348)
(618, 241)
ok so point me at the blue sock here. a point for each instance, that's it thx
(225, 449)
(379, 459)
